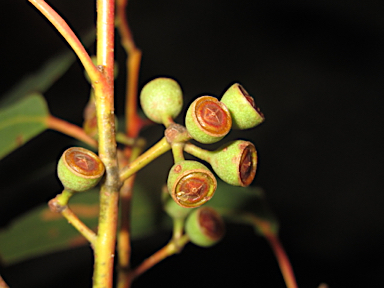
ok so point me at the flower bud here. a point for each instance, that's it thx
(205, 227)
(242, 107)
(79, 169)
(208, 120)
(191, 184)
(161, 98)
(235, 162)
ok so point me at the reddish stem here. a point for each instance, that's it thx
(282, 259)
(69, 36)
(133, 122)
(2, 283)
(70, 130)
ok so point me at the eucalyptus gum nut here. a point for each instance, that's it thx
(208, 120)
(235, 162)
(245, 114)
(205, 227)
(191, 184)
(79, 169)
(160, 98)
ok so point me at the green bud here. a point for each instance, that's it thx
(161, 99)
(208, 120)
(79, 169)
(191, 184)
(205, 227)
(242, 107)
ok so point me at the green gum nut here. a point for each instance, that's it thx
(208, 120)
(79, 169)
(235, 162)
(191, 184)
(205, 227)
(245, 114)
(161, 99)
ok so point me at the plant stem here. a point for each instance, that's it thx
(177, 151)
(133, 122)
(104, 247)
(70, 130)
(60, 204)
(265, 228)
(178, 228)
(2, 283)
(69, 36)
(282, 259)
(148, 156)
(79, 225)
(124, 239)
(197, 152)
(124, 139)
(171, 248)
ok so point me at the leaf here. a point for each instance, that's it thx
(44, 78)
(22, 121)
(41, 231)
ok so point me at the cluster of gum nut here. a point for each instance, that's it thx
(190, 183)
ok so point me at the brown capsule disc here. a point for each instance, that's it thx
(83, 162)
(195, 188)
(250, 99)
(211, 223)
(213, 116)
(248, 163)
(192, 188)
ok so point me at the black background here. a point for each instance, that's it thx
(316, 71)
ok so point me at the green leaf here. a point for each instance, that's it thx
(41, 231)
(22, 121)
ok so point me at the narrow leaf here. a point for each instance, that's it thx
(22, 121)
(41, 231)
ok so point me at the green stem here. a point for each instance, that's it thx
(178, 228)
(177, 151)
(198, 152)
(167, 120)
(60, 204)
(79, 225)
(148, 156)
(104, 247)
(63, 198)
(124, 139)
